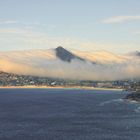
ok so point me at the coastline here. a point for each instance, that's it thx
(59, 87)
(133, 97)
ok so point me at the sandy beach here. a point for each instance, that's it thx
(58, 87)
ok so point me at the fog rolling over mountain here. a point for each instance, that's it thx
(77, 65)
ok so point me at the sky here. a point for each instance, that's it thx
(87, 25)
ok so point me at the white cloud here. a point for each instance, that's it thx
(21, 23)
(121, 19)
(8, 21)
(12, 31)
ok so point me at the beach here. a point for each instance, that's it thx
(58, 87)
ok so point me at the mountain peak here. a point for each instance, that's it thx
(60, 48)
(63, 54)
(66, 55)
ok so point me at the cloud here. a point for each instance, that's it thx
(121, 19)
(12, 31)
(45, 63)
(23, 23)
(8, 21)
(19, 22)
(28, 38)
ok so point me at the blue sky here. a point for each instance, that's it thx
(112, 25)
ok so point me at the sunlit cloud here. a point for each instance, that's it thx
(45, 63)
(121, 19)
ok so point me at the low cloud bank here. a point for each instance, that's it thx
(77, 70)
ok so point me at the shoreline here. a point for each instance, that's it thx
(133, 97)
(59, 87)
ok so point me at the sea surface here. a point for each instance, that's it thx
(67, 114)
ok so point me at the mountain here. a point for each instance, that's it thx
(65, 55)
(71, 64)
(137, 53)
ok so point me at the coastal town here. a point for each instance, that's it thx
(9, 79)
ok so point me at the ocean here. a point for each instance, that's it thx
(67, 114)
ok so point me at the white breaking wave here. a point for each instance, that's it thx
(111, 101)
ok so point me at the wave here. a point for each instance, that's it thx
(111, 101)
